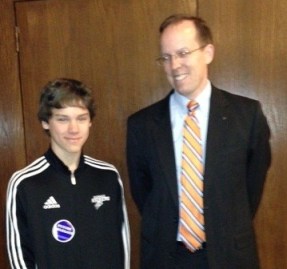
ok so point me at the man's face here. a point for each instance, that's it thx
(69, 130)
(187, 74)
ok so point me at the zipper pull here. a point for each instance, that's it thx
(73, 179)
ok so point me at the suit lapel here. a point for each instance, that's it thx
(217, 130)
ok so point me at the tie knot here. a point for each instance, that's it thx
(192, 106)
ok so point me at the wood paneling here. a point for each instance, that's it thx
(250, 39)
(12, 153)
(111, 45)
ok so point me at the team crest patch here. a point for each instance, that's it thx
(63, 231)
(98, 200)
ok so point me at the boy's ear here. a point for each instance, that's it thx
(45, 125)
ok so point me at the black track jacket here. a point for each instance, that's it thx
(59, 220)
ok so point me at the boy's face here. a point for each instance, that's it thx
(69, 129)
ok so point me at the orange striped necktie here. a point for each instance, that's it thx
(191, 227)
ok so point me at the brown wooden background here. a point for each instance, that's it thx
(111, 45)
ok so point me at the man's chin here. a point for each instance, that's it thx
(182, 91)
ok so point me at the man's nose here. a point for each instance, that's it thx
(175, 61)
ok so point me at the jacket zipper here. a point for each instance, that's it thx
(73, 179)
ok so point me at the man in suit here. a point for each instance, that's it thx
(235, 156)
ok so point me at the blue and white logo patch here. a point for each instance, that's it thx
(63, 231)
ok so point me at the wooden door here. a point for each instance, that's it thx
(111, 46)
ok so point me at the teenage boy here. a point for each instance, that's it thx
(67, 210)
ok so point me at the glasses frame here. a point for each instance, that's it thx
(163, 60)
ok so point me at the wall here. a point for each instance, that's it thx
(250, 38)
(12, 149)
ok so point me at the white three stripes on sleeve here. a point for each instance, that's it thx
(13, 236)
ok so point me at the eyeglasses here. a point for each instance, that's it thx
(181, 54)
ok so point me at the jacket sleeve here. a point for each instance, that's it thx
(18, 240)
(125, 226)
(259, 158)
(140, 182)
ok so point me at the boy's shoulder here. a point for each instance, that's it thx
(99, 164)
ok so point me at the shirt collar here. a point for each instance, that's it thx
(203, 99)
(54, 160)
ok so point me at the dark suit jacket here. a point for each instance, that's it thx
(237, 160)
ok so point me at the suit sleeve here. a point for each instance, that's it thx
(259, 159)
(140, 181)
(18, 239)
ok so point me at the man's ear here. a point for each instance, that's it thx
(209, 53)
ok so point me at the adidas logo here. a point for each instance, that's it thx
(51, 203)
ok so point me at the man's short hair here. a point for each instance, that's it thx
(204, 34)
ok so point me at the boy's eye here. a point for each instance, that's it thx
(83, 118)
(62, 119)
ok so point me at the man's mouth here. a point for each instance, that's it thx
(179, 77)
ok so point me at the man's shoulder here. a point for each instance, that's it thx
(160, 106)
(233, 99)
(232, 96)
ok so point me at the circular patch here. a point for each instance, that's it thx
(63, 231)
